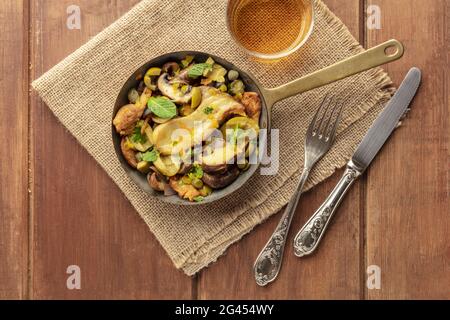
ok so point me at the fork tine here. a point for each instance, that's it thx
(338, 119)
(331, 116)
(320, 128)
(312, 125)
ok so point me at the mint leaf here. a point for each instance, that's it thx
(199, 199)
(137, 136)
(162, 107)
(150, 156)
(198, 69)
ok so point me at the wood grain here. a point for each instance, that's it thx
(14, 155)
(407, 193)
(332, 273)
(79, 216)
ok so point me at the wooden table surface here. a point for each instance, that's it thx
(58, 208)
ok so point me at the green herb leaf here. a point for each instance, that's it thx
(150, 156)
(137, 136)
(162, 107)
(196, 172)
(199, 199)
(208, 110)
(198, 69)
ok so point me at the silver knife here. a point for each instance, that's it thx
(309, 236)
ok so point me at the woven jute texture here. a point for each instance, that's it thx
(92, 76)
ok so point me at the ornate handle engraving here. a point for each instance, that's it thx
(308, 238)
(268, 264)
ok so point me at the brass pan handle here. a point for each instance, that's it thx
(386, 52)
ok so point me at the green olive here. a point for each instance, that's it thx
(210, 61)
(186, 180)
(197, 183)
(133, 95)
(205, 191)
(184, 88)
(242, 123)
(148, 81)
(223, 88)
(149, 75)
(244, 166)
(236, 88)
(187, 61)
(143, 166)
(152, 72)
(196, 97)
(233, 75)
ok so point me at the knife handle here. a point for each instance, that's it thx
(308, 238)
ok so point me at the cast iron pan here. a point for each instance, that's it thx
(374, 57)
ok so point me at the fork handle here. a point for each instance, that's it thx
(268, 264)
(308, 238)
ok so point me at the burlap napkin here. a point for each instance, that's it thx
(91, 78)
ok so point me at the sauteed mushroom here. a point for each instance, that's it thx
(218, 181)
(218, 154)
(204, 100)
(170, 67)
(128, 153)
(252, 104)
(127, 116)
(185, 168)
(173, 90)
(155, 181)
(215, 108)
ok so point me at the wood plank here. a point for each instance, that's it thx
(332, 273)
(80, 217)
(407, 195)
(14, 155)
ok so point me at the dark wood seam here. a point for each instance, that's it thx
(27, 78)
(363, 184)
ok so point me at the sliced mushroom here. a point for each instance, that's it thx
(219, 181)
(156, 182)
(128, 153)
(252, 104)
(216, 107)
(185, 168)
(168, 191)
(170, 67)
(217, 155)
(185, 191)
(172, 89)
(167, 165)
(127, 116)
(183, 76)
(219, 169)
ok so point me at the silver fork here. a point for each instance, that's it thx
(319, 138)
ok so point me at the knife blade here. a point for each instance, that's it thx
(309, 236)
(386, 122)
